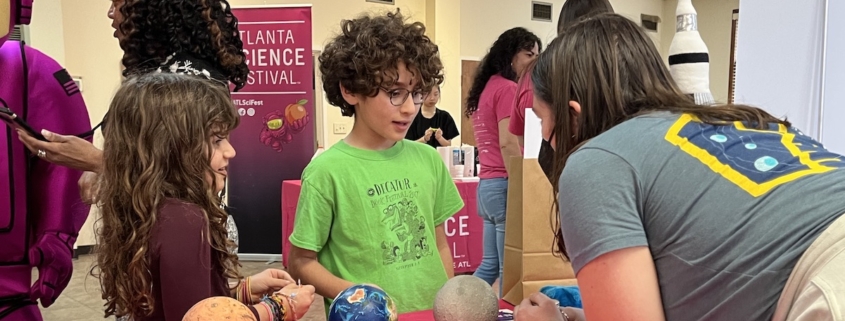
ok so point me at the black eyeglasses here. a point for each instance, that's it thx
(398, 96)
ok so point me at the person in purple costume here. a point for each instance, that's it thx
(40, 209)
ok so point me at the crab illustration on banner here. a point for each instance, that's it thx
(281, 126)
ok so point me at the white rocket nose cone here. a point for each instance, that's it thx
(684, 7)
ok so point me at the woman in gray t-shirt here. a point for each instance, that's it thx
(673, 211)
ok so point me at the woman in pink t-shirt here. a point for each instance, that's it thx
(489, 105)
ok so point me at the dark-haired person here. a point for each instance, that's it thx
(373, 207)
(196, 37)
(490, 103)
(677, 212)
(433, 126)
(571, 12)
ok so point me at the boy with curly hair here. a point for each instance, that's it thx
(372, 207)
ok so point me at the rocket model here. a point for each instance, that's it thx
(689, 60)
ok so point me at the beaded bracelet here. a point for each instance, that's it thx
(275, 304)
(291, 302)
(278, 300)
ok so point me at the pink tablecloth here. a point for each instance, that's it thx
(428, 315)
(464, 229)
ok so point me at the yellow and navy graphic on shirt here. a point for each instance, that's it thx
(755, 160)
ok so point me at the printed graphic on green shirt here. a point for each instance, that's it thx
(396, 200)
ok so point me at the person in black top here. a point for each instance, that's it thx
(433, 126)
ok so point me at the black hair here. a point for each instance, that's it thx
(204, 29)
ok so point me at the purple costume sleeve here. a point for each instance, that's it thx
(56, 211)
(55, 104)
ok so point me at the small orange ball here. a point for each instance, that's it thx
(219, 308)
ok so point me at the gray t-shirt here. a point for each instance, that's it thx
(726, 211)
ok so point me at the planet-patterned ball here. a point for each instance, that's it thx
(363, 303)
(219, 308)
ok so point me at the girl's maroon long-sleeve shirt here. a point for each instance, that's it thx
(183, 270)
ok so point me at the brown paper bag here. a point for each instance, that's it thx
(529, 262)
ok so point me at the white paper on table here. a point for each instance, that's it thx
(533, 134)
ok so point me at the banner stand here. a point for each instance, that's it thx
(276, 136)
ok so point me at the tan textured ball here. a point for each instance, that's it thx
(466, 298)
(219, 308)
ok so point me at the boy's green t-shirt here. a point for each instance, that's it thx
(371, 215)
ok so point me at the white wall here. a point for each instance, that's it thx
(779, 59)
(714, 25)
(479, 29)
(782, 65)
(632, 9)
(834, 95)
(47, 40)
(444, 24)
(482, 21)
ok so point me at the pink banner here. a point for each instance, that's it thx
(276, 137)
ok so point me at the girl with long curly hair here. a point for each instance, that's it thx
(162, 239)
(490, 102)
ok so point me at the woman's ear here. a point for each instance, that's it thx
(574, 111)
(348, 96)
(575, 108)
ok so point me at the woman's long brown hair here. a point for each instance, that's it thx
(611, 68)
(157, 147)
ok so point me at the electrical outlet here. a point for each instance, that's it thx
(339, 128)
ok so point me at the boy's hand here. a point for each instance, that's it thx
(267, 282)
(438, 133)
(300, 298)
(304, 265)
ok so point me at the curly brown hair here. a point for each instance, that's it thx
(157, 147)
(365, 56)
(205, 29)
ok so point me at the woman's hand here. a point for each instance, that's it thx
(428, 133)
(299, 299)
(268, 282)
(574, 314)
(539, 307)
(89, 187)
(68, 151)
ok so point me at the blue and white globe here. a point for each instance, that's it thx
(363, 303)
